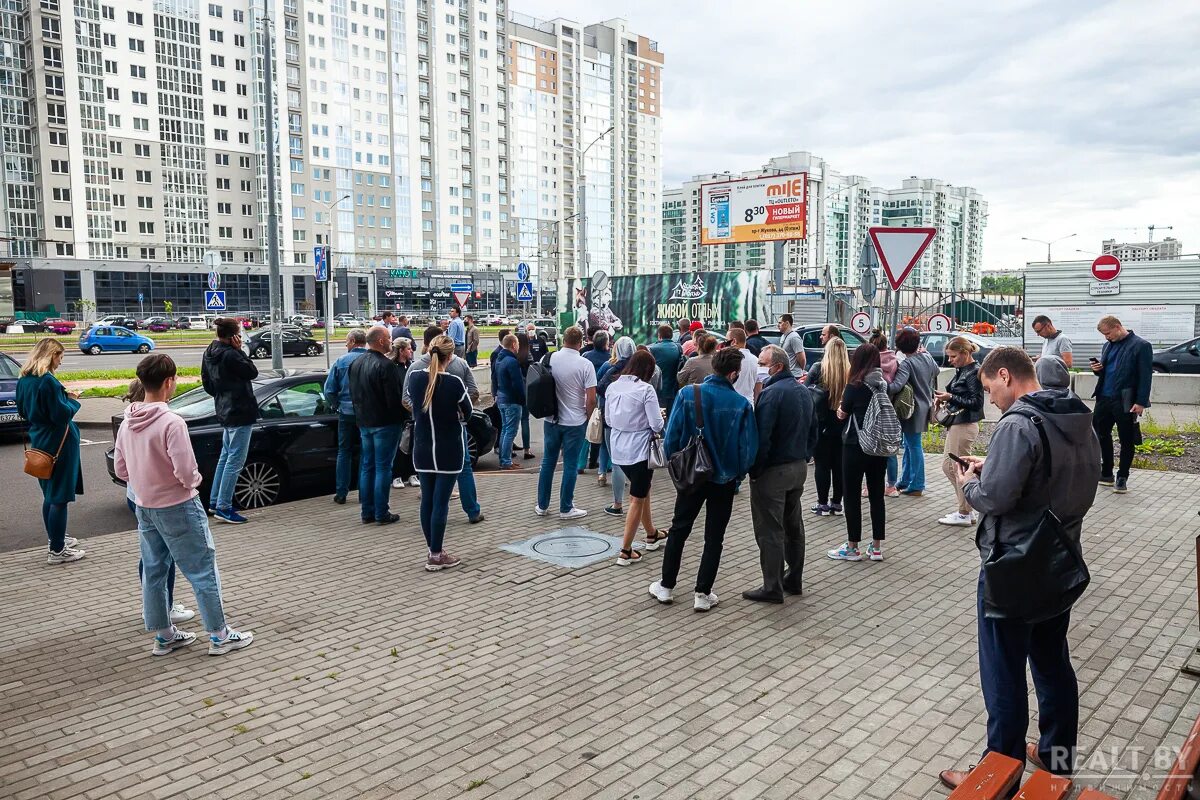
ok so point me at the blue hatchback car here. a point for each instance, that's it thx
(9, 371)
(113, 339)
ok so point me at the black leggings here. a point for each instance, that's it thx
(828, 459)
(855, 465)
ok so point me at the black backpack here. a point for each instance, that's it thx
(541, 396)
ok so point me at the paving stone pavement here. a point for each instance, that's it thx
(509, 678)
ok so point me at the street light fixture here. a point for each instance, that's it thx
(581, 197)
(1048, 243)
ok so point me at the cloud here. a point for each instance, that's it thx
(1070, 117)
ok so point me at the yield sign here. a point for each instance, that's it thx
(898, 250)
(462, 298)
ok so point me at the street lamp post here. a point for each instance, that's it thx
(1052, 241)
(327, 290)
(581, 199)
(679, 243)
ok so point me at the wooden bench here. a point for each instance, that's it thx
(996, 775)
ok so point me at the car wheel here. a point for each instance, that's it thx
(143, 348)
(259, 484)
(313, 350)
(260, 352)
(94, 350)
(473, 449)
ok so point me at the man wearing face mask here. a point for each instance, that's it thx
(1043, 456)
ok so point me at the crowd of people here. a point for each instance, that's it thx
(732, 408)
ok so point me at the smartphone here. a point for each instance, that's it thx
(1094, 360)
(965, 466)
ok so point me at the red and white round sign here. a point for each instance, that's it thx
(861, 323)
(940, 323)
(1106, 267)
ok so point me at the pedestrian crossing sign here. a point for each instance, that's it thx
(524, 291)
(214, 300)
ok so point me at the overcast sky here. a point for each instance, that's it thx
(1069, 116)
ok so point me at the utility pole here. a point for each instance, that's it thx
(274, 283)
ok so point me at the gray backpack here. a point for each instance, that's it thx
(879, 434)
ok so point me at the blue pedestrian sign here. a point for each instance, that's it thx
(522, 272)
(214, 301)
(321, 262)
(141, 297)
(524, 292)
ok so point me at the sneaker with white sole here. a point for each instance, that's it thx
(661, 593)
(703, 602)
(414, 481)
(835, 509)
(875, 553)
(234, 640)
(956, 519)
(65, 556)
(541, 512)
(398, 483)
(70, 541)
(845, 553)
(179, 613)
(164, 647)
(574, 513)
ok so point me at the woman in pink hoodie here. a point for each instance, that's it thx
(888, 362)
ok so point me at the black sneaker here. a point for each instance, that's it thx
(1122, 486)
(388, 520)
(1107, 480)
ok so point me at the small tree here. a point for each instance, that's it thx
(367, 307)
(84, 307)
(167, 306)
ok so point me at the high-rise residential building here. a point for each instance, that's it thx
(133, 142)
(1169, 248)
(585, 115)
(840, 209)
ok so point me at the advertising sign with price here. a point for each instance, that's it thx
(754, 210)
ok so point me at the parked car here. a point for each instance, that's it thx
(26, 325)
(157, 324)
(350, 321)
(60, 326)
(10, 420)
(195, 323)
(935, 345)
(293, 342)
(124, 320)
(303, 320)
(113, 339)
(810, 337)
(1182, 358)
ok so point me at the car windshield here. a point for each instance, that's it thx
(194, 404)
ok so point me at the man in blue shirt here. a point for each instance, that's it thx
(457, 331)
(1124, 371)
(337, 392)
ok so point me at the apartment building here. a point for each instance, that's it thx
(1168, 249)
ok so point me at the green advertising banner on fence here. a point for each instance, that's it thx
(635, 305)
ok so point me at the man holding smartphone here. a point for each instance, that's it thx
(1125, 369)
(227, 374)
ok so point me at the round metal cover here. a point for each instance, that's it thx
(572, 546)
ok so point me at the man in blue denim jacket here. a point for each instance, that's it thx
(731, 438)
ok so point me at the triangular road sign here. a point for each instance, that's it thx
(898, 250)
(462, 298)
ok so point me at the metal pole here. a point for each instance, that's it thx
(274, 282)
(326, 288)
(895, 316)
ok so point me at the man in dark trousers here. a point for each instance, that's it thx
(378, 408)
(1124, 371)
(1043, 456)
(787, 437)
(227, 374)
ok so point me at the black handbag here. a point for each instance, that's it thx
(691, 467)
(406, 438)
(1042, 576)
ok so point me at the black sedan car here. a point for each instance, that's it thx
(810, 337)
(935, 344)
(1182, 358)
(10, 370)
(295, 343)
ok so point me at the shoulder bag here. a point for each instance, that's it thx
(691, 467)
(39, 463)
(406, 439)
(1041, 576)
(943, 416)
(595, 427)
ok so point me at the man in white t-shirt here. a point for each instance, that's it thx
(793, 345)
(748, 377)
(575, 389)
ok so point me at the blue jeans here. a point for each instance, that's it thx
(375, 470)
(179, 533)
(467, 494)
(618, 477)
(893, 467)
(170, 576)
(912, 477)
(435, 507)
(349, 444)
(510, 418)
(235, 444)
(1004, 647)
(567, 440)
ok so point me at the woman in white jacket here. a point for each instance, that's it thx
(633, 415)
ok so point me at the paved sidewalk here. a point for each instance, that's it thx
(513, 679)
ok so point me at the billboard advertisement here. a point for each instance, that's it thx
(754, 210)
(635, 305)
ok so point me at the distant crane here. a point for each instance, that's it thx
(1152, 228)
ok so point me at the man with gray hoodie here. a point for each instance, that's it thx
(1042, 457)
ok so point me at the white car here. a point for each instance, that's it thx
(303, 320)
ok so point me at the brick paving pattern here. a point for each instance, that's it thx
(510, 678)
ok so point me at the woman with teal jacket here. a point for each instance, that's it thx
(50, 410)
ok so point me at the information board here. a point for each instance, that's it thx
(1161, 325)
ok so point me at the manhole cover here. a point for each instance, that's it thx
(568, 547)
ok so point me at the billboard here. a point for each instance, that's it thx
(754, 210)
(635, 305)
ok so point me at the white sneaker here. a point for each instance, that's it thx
(956, 519)
(702, 602)
(875, 553)
(414, 481)
(398, 483)
(70, 541)
(541, 512)
(845, 553)
(574, 513)
(181, 614)
(661, 593)
(454, 495)
(164, 647)
(68, 554)
(234, 640)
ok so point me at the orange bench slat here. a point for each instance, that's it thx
(1044, 786)
(990, 780)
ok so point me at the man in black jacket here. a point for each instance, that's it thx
(378, 409)
(1125, 369)
(227, 374)
(787, 436)
(1043, 456)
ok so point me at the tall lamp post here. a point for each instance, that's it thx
(581, 199)
(679, 241)
(1048, 243)
(327, 290)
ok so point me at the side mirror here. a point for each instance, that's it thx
(1194, 350)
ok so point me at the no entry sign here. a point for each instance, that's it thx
(1106, 267)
